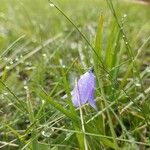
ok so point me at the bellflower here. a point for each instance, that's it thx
(84, 90)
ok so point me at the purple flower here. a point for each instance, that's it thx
(84, 90)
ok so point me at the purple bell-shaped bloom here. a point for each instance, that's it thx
(84, 90)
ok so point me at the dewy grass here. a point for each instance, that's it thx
(40, 58)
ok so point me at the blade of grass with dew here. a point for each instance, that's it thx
(109, 57)
(130, 65)
(20, 48)
(98, 40)
(118, 52)
(109, 118)
(16, 134)
(127, 45)
(31, 119)
(80, 137)
(98, 51)
(55, 87)
(125, 131)
(34, 51)
(115, 60)
(129, 52)
(98, 48)
(109, 47)
(55, 104)
(19, 104)
(10, 47)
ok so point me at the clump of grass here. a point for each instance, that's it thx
(40, 62)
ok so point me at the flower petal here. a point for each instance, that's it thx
(91, 100)
(83, 89)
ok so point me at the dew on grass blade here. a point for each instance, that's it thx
(52, 5)
(16, 59)
(25, 87)
(11, 62)
(68, 136)
(46, 134)
(2, 96)
(5, 93)
(5, 58)
(137, 83)
(125, 15)
(7, 67)
(44, 55)
(74, 45)
(148, 69)
(64, 66)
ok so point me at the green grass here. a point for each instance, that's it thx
(44, 47)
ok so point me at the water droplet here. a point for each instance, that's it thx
(44, 55)
(43, 101)
(46, 134)
(121, 28)
(25, 87)
(2, 15)
(16, 59)
(74, 45)
(7, 67)
(126, 43)
(113, 88)
(5, 58)
(25, 82)
(5, 93)
(2, 96)
(125, 15)
(52, 5)
(138, 109)
(107, 75)
(63, 66)
(148, 69)
(28, 63)
(126, 96)
(68, 136)
(137, 84)
(10, 104)
(11, 62)
(61, 62)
